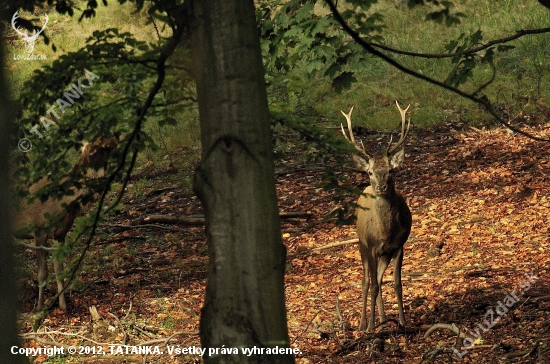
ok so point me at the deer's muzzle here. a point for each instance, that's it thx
(383, 187)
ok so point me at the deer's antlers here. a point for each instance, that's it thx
(404, 132)
(405, 127)
(351, 139)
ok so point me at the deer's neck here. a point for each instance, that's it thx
(386, 220)
(384, 204)
(385, 208)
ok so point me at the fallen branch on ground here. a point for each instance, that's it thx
(199, 219)
(523, 353)
(331, 245)
(450, 327)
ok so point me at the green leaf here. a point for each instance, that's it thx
(314, 65)
(461, 73)
(305, 12)
(333, 69)
(450, 47)
(488, 57)
(476, 37)
(343, 81)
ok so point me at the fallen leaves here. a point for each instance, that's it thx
(482, 203)
(490, 216)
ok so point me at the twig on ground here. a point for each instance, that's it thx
(124, 340)
(152, 220)
(129, 310)
(309, 323)
(522, 353)
(432, 355)
(331, 245)
(342, 323)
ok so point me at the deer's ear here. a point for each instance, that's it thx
(397, 158)
(361, 163)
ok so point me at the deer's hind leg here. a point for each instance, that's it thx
(60, 284)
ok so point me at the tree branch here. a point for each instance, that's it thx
(518, 34)
(480, 101)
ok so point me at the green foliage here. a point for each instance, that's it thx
(300, 34)
(463, 64)
(111, 85)
(329, 56)
(314, 68)
(307, 57)
(319, 146)
(109, 78)
(343, 81)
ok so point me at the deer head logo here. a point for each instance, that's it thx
(28, 39)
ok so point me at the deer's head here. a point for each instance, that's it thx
(379, 167)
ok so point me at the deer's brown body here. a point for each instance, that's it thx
(383, 224)
(30, 222)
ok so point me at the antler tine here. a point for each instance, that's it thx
(404, 131)
(351, 138)
(389, 143)
(348, 118)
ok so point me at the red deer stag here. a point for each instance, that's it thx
(383, 221)
(30, 222)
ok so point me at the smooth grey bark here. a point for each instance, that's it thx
(244, 303)
(8, 303)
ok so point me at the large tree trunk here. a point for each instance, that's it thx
(244, 304)
(8, 303)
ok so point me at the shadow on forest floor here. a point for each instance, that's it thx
(480, 203)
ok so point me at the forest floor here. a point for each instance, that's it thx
(477, 257)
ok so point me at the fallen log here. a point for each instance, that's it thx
(195, 220)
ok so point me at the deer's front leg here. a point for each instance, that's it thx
(375, 289)
(365, 284)
(397, 263)
(382, 265)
